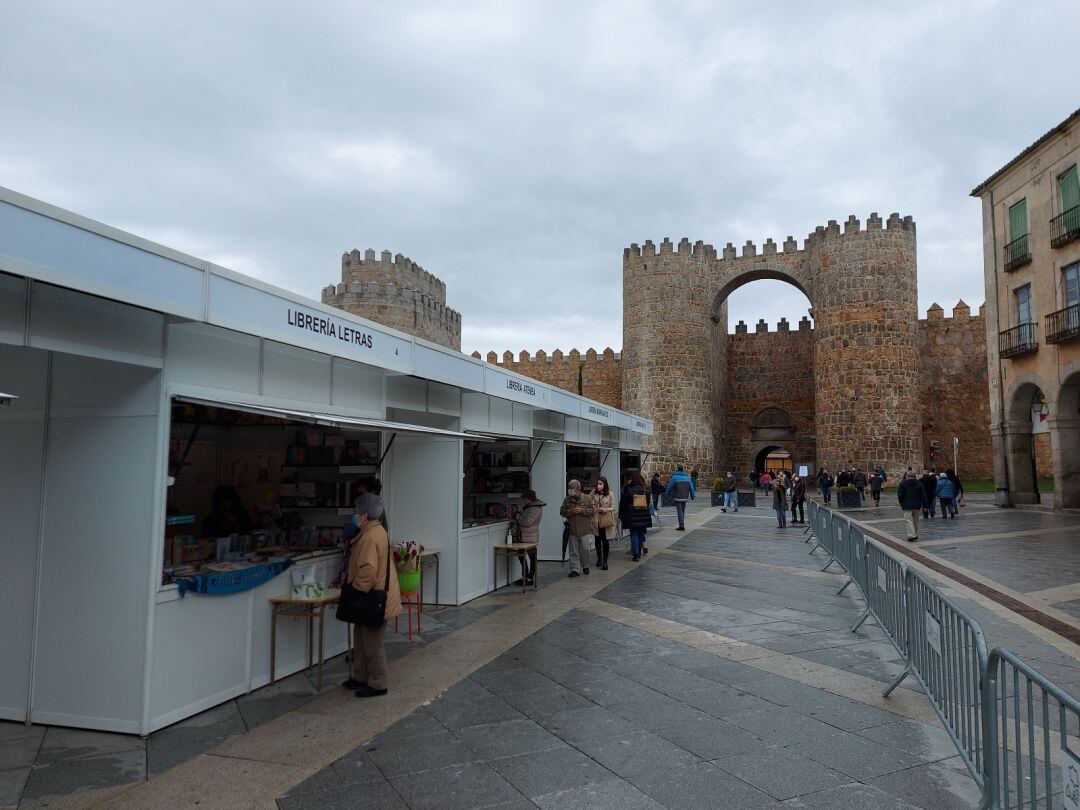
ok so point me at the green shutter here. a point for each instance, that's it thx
(1070, 190)
(1018, 223)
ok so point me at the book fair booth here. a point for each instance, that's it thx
(181, 440)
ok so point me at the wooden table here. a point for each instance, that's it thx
(312, 609)
(518, 550)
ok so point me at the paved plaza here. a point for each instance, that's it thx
(720, 672)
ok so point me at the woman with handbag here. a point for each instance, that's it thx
(369, 597)
(603, 521)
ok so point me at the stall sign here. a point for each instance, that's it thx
(511, 386)
(239, 306)
(595, 412)
(231, 581)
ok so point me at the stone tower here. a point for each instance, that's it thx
(396, 292)
(862, 287)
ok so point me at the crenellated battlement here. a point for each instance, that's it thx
(805, 325)
(852, 229)
(397, 292)
(960, 312)
(557, 356)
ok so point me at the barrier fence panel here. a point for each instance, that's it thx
(947, 656)
(835, 545)
(884, 594)
(822, 538)
(1033, 747)
(856, 559)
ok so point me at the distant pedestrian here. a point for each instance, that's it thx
(859, 481)
(753, 479)
(951, 475)
(603, 521)
(634, 513)
(798, 498)
(766, 481)
(877, 480)
(912, 499)
(929, 484)
(693, 476)
(946, 492)
(731, 493)
(657, 487)
(578, 510)
(843, 477)
(825, 484)
(780, 502)
(681, 489)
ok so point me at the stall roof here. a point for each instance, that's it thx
(330, 419)
(40, 241)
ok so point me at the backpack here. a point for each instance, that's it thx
(640, 501)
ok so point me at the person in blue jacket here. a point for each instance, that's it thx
(946, 493)
(681, 489)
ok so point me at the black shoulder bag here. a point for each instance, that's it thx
(366, 608)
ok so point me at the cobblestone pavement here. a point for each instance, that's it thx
(721, 673)
(718, 673)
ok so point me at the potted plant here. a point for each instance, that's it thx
(407, 555)
(718, 491)
(848, 498)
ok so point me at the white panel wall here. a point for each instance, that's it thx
(212, 357)
(474, 411)
(12, 309)
(22, 433)
(549, 481)
(360, 387)
(98, 537)
(523, 420)
(406, 392)
(610, 468)
(424, 502)
(66, 320)
(444, 399)
(502, 415)
(293, 373)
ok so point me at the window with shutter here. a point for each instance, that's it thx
(1023, 305)
(1018, 220)
(1072, 284)
(1069, 184)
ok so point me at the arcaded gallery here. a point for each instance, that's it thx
(180, 439)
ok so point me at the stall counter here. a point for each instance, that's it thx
(476, 565)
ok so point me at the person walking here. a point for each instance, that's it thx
(634, 514)
(912, 498)
(877, 480)
(766, 482)
(369, 568)
(528, 521)
(929, 483)
(753, 479)
(603, 521)
(578, 510)
(681, 489)
(825, 484)
(798, 499)
(780, 502)
(843, 478)
(858, 479)
(731, 493)
(946, 493)
(950, 473)
(657, 488)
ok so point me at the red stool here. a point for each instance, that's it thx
(410, 601)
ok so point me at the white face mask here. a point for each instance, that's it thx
(572, 493)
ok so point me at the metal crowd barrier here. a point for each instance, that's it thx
(1016, 731)
(1034, 727)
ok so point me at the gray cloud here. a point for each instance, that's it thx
(515, 149)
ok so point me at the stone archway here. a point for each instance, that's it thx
(1065, 439)
(861, 284)
(1020, 441)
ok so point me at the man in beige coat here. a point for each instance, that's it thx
(369, 561)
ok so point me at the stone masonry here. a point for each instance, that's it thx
(396, 292)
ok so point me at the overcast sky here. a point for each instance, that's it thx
(515, 148)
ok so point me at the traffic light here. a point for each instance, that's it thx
(935, 448)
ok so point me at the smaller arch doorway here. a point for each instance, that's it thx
(1028, 444)
(774, 459)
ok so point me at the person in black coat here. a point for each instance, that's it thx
(929, 483)
(636, 518)
(657, 486)
(912, 497)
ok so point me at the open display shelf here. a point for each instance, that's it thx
(496, 473)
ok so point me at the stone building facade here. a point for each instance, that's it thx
(1031, 265)
(396, 292)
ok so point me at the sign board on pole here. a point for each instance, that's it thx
(804, 470)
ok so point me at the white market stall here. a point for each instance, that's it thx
(141, 381)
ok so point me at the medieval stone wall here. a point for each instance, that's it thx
(597, 375)
(954, 391)
(396, 292)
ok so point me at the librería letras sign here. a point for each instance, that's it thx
(330, 327)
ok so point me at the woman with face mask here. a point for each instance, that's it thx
(603, 521)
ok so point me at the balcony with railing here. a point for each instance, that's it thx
(1017, 253)
(1063, 325)
(1018, 340)
(1065, 227)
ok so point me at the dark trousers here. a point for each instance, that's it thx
(603, 545)
(680, 511)
(826, 494)
(802, 515)
(877, 496)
